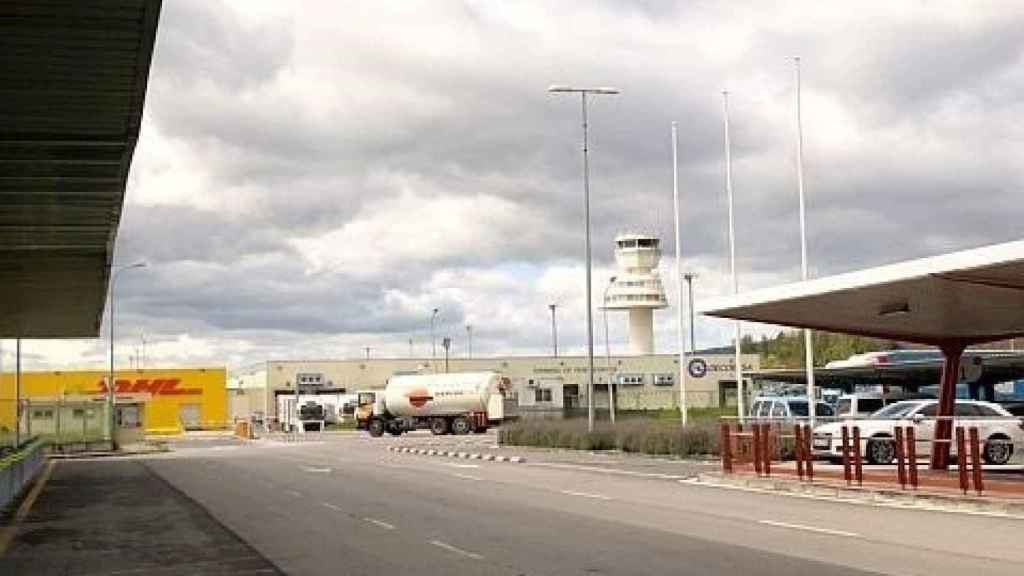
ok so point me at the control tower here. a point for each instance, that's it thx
(637, 288)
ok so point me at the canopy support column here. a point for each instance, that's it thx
(947, 398)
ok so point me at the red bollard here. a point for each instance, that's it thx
(808, 452)
(858, 465)
(798, 450)
(901, 467)
(976, 460)
(961, 458)
(756, 431)
(768, 450)
(846, 455)
(726, 449)
(912, 456)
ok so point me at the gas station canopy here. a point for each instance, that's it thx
(964, 297)
(73, 77)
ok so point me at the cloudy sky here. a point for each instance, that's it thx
(314, 177)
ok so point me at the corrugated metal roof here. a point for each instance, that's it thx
(73, 77)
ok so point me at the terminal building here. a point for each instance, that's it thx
(540, 385)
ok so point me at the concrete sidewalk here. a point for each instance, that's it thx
(117, 516)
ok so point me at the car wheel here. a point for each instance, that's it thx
(461, 425)
(998, 450)
(376, 427)
(438, 426)
(880, 451)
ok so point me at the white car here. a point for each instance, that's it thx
(999, 430)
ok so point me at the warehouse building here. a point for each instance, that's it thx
(71, 405)
(539, 384)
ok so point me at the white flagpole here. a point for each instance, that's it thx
(808, 339)
(680, 336)
(740, 403)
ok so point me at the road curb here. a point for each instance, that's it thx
(460, 455)
(973, 505)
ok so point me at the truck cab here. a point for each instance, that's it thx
(366, 401)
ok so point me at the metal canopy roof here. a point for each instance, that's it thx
(968, 297)
(993, 368)
(73, 79)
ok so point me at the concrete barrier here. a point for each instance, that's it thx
(19, 469)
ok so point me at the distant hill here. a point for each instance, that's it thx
(786, 349)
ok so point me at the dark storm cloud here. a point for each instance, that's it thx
(324, 123)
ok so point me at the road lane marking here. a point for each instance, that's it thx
(455, 550)
(294, 493)
(467, 477)
(331, 506)
(460, 465)
(380, 523)
(806, 528)
(609, 470)
(316, 470)
(586, 495)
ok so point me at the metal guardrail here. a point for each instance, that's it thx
(19, 468)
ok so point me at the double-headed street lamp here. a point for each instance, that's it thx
(110, 381)
(584, 92)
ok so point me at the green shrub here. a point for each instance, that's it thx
(647, 436)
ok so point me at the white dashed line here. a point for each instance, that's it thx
(293, 493)
(455, 550)
(805, 528)
(586, 495)
(460, 465)
(316, 470)
(467, 477)
(331, 506)
(380, 523)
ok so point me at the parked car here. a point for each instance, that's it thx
(865, 403)
(998, 429)
(787, 408)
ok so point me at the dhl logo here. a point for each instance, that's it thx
(156, 387)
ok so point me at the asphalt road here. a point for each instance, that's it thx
(345, 505)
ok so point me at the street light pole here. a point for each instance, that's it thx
(469, 338)
(554, 330)
(608, 352)
(689, 276)
(740, 408)
(433, 342)
(110, 380)
(583, 92)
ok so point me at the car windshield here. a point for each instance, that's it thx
(897, 410)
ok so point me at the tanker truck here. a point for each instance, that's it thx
(457, 403)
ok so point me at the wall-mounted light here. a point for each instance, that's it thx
(895, 309)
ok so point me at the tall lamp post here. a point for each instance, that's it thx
(433, 342)
(110, 381)
(554, 330)
(584, 92)
(608, 352)
(469, 340)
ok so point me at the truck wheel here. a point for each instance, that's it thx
(461, 425)
(438, 426)
(376, 427)
(480, 430)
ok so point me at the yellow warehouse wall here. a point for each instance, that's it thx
(168, 390)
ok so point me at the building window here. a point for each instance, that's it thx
(542, 395)
(631, 379)
(664, 379)
(42, 414)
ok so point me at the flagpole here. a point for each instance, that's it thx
(808, 338)
(740, 403)
(680, 337)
